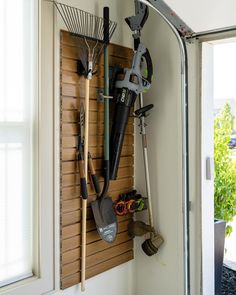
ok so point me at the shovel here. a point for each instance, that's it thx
(103, 209)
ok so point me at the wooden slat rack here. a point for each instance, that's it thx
(101, 256)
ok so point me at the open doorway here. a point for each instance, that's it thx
(224, 90)
(219, 164)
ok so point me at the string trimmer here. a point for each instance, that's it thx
(138, 228)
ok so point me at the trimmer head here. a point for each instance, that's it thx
(151, 246)
(105, 218)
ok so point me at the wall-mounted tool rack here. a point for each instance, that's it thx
(101, 256)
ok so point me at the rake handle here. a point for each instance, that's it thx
(84, 201)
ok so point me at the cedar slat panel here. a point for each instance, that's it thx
(72, 167)
(109, 264)
(71, 141)
(72, 192)
(72, 255)
(71, 103)
(72, 241)
(72, 116)
(70, 65)
(78, 90)
(75, 216)
(93, 271)
(114, 49)
(101, 256)
(74, 179)
(94, 129)
(97, 258)
(109, 253)
(75, 230)
(71, 217)
(94, 117)
(68, 77)
(73, 53)
(70, 153)
(75, 204)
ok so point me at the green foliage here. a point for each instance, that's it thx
(225, 169)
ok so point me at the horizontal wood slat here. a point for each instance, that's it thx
(94, 129)
(74, 179)
(93, 271)
(68, 206)
(72, 192)
(72, 167)
(71, 141)
(114, 49)
(72, 255)
(72, 52)
(101, 256)
(75, 216)
(75, 229)
(71, 103)
(72, 241)
(94, 117)
(69, 154)
(97, 258)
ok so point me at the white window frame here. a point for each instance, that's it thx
(202, 207)
(43, 280)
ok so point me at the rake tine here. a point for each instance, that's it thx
(62, 14)
(67, 22)
(73, 19)
(77, 20)
(82, 23)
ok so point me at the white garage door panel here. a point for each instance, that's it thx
(205, 15)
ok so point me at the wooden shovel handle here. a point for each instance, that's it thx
(84, 201)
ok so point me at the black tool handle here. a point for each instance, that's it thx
(124, 101)
(106, 24)
(83, 183)
(148, 60)
(117, 137)
(142, 111)
(93, 175)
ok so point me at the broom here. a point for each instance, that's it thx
(90, 28)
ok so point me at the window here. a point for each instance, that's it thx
(17, 104)
(26, 150)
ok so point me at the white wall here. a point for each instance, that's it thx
(162, 273)
(205, 15)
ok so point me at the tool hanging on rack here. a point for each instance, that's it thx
(80, 158)
(129, 203)
(103, 211)
(138, 228)
(126, 92)
(90, 29)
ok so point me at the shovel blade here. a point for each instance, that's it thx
(105, 218)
